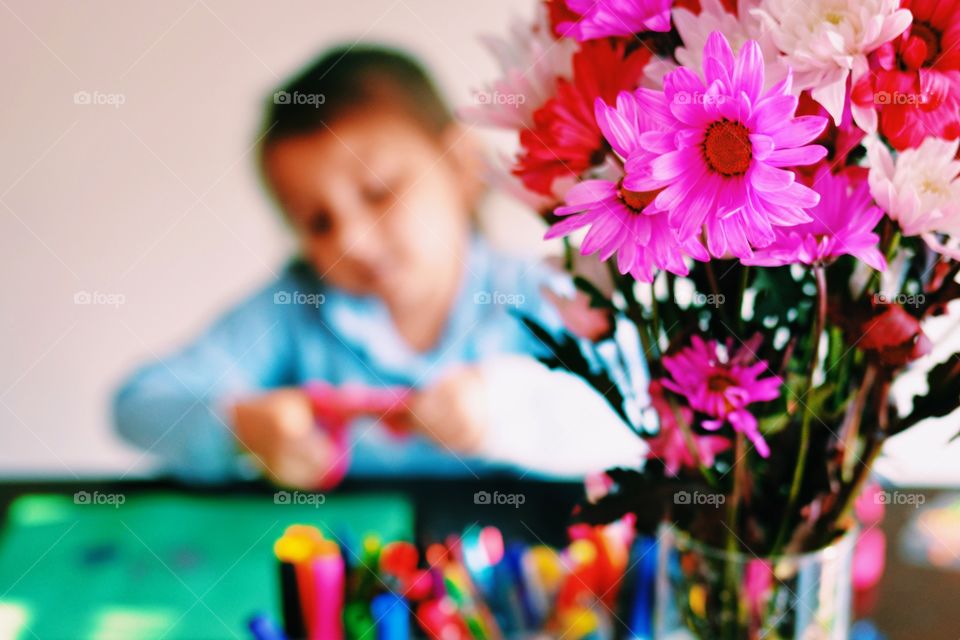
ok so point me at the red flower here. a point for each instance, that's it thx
(565, 139)
(838, 140)
(894, 336)
(915, 79)
(559, 13)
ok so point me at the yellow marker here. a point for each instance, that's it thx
(299, 543)
(371, 544)
(547, 566)
(582, 552)
(698, 600)
(578, 623)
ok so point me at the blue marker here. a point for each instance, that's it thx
(513, 557)
(645, 576)
(264, 628)
(392, 616)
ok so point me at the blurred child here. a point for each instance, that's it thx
(393, 288)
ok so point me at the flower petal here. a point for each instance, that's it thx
(797, 156)
(718, 60)
(765, 178)
(748, 71)
(798, 131)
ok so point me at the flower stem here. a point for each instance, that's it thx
(568, 257)
(850, 430)
(655, 310)
(635, 312)
(731, 576)
(819, 321)
(715, 289)
(692, 446)
(873, 284)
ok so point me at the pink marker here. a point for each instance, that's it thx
(328, 576)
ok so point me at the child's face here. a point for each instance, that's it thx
(379, 207)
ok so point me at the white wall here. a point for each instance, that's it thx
(156, 200)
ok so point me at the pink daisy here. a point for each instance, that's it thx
(722, 386)
(843, 223)
(604, 18)
(722, 151)
(670, 447)
(623, 221)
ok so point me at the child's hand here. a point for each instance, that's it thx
(453, 411)
(278, 428)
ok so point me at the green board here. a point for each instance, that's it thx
(161, 565)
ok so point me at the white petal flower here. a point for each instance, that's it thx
(920, 190)
(531, 60)
(826, 42)
(694, 29)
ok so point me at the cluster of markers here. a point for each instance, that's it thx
(472, 587)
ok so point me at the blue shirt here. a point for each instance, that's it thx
(298, 329)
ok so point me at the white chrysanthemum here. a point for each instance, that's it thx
(921, 190)
(694, 29)
(531, 60)
(827, 41)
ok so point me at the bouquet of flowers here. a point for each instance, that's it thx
(766, 194)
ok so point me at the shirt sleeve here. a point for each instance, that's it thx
(175, 407)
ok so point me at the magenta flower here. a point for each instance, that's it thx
(721, 385)
(604, 18)
(721, 151)
(758, 579)
(670, 447)
(843, 223)
(623, 221)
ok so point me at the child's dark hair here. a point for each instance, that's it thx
(348, 78)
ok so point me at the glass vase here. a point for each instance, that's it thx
(706, 593)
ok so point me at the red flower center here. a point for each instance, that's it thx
(930, 37)
(720, 381)
(727, 148)
(637, 201)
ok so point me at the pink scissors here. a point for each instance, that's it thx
(336, 407)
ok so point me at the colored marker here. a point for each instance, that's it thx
(644, 583)
(293, 620)
(582, 555)
(296, 548)
(513, 558)
(264, 628)
(328, 573)
(398, 559)
(439, 620)
(369, 568)
(358, 621)
(392, 617)
(541, 571)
